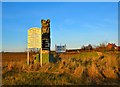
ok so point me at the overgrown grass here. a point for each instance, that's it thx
(86, 68)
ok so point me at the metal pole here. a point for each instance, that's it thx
(28, 57)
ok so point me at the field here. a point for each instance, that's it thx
(82, 68)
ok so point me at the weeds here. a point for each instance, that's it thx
(88, 68)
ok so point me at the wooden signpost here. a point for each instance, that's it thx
(34, 41)
(40, 38)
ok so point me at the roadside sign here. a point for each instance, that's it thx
(34, 38)
(60, 49)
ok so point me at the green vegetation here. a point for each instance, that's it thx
(85, 68)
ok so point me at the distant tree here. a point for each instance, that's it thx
(101, 47)
(89, 47)
(83, 47)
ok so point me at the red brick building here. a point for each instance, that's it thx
(111, 46)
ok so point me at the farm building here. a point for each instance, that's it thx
(111, 46)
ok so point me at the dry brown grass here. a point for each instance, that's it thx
(78, 71)
(82, 68)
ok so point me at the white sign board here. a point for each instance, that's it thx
(34, 38)
(60, 49)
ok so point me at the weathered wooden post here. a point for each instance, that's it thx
(45, 40)
(41, 57)
(28, 57)
(41, 50)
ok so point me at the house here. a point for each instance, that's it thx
(111, 46)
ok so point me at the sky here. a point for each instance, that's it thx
(72, 23)
(0, 26)
(60, 0)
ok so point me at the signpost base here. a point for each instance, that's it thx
(28, 57)
(45, 55)
(41, 57)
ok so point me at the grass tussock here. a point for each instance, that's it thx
(88, 68)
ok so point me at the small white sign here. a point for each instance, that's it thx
(34, 38)
(60, 49)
